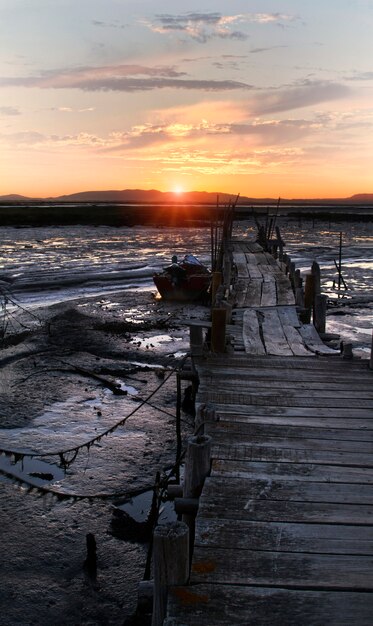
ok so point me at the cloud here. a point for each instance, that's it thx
(204, 26)
(114, 24)
(129, 78)
(7, 110)
(307, 94)
(361, 76)
(268, 49)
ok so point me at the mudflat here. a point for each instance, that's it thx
(71, 372)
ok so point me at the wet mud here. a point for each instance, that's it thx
(77, 369)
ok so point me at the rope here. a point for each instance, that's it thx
(65, 462)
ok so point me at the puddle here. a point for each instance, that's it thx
(138, 508)
(35, 471)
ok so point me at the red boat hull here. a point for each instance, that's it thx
(192, 288)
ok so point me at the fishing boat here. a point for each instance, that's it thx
(186, 280)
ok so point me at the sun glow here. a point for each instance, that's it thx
(178, 190)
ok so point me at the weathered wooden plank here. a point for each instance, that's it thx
(229, 605)
(355, 366)
(222, 435)
(240, 290)
(239, 259)
(307, 571)
(269, 293)
(277, 399)
(291, 471)
(288, 316)
(273, 335)
(253, 293)
(294, 411)
(250, 331)
(256, 452)
(295, 341)
(259, 431)
(239, 493)
(361, 424)
(313, 341)
(293, 387)
(289, 537)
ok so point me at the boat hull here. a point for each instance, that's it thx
(192, 288)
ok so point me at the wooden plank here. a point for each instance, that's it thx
(351, 413)
(293, 388)
(250, 332)
(239, 259)
(289, 537)
(256, 452)
(256, 431)
(269, 293)
(307, 571)
(292, 471)
(237, 436)
(253, 293)
(362, 424)
(273, 335)
(223, 605)
(313, 341)
(239, 493)
(278, 399)
(240, 291)
(288, 316)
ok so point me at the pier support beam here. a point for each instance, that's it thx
(320, 313)
(218, 329)
(171, 564)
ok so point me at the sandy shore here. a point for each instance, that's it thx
(53, 396)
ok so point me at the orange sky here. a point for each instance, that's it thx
(266, 98)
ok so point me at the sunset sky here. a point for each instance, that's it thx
(266, 97)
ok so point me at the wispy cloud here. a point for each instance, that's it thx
(129, 78)
(113, 24)
(204, 26)
(308, 93)
(360, 76)
(8, 110)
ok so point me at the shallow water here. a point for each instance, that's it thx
(51, 264)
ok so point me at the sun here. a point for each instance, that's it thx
(178, 190)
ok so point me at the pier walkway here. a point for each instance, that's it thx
(284, 530)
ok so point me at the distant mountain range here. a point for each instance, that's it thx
(140, 196)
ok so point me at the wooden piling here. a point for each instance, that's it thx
(371, 355)
(171, 564)
(218, 329)
(196, 340)
(197, 465)
(320, 313)
(215, 284)
(309, 293)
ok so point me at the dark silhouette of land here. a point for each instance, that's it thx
(151, 207)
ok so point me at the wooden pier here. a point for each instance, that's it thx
(284, 530)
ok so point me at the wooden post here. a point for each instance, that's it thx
(309, 293)
(316, 273)
(297, 279)
(215, 284)
(280, 244)
(371, 356)
(292, 274)
(228, 307)
(347, 353)
(178, 426)
(218, 329)
(197, 465)
(196, 340)
(171, 564)
(320, 313)
(299, 297)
